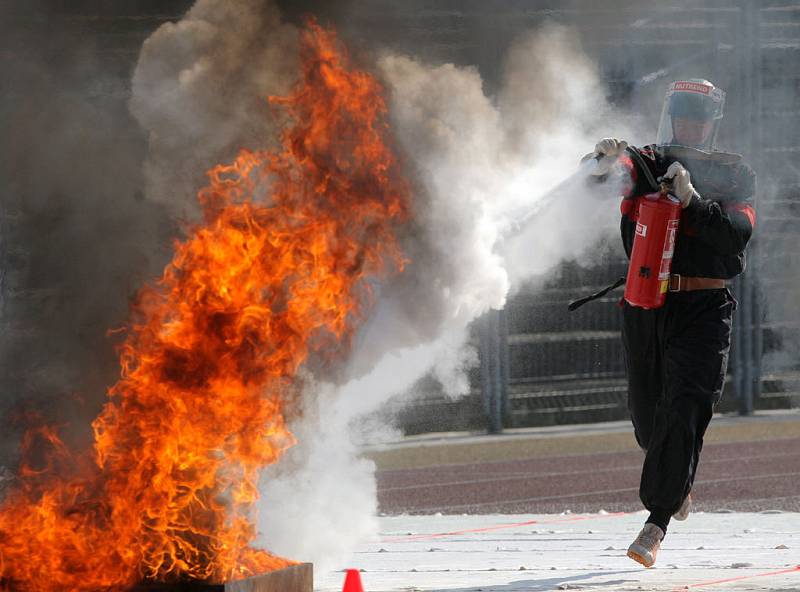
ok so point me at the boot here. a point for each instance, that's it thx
(683, 511)
(646, 545)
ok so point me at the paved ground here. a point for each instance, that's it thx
(538, 553)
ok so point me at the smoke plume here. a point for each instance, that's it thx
(200, 90)
(77, 236)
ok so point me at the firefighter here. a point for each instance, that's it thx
(676, 355)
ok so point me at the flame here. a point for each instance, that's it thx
(207, 366)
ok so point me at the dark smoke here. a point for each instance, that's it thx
(78, 235)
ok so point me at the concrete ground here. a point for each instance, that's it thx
(746, 552)
(555, 509)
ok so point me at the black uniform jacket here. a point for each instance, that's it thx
(714, 227)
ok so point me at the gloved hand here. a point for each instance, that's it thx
(606, 151)
(610, 147)
(680, 182)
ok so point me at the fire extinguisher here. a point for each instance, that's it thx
(657, 221)
(647, 282)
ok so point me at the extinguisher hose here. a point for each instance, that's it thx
(575, 304)
(642, 166)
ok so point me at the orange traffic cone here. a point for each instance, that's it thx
(352, 581)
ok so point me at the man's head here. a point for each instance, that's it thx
(691, 115)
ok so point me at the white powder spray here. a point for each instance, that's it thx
(480, 166)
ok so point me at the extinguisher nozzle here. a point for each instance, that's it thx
(575, 304)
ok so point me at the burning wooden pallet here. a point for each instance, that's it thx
(295, 578)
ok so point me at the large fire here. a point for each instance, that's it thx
(280, 268)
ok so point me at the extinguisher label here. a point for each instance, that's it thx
(669, 250)
(669, 240)
(663, 272)
(641, 229)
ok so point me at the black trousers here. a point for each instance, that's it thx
(676, 358)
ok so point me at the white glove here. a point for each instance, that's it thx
(610, 147)
(607, 151)
(680, 182)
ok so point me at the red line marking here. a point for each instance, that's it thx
(422, 537)
(736, 579)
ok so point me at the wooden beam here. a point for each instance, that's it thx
(295, 578)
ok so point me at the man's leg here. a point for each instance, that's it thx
(696, 344)
(643, 369)
(641, 331)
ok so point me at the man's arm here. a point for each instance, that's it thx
(616, 162)
(726, 227)
(635, 183)
(627, 207)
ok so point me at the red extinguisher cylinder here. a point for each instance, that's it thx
(647, 282)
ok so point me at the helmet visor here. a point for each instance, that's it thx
(691, 114)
